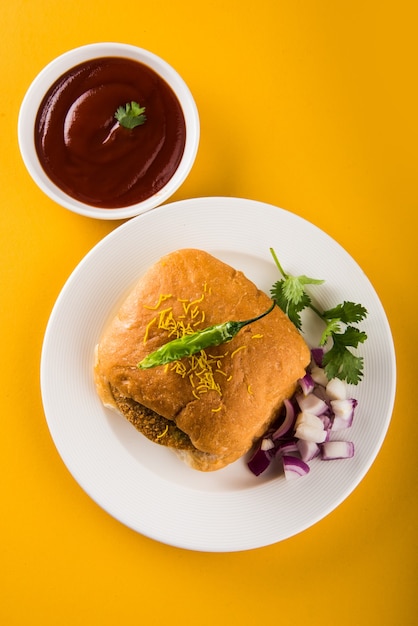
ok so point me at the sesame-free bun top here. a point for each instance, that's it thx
(223, 398)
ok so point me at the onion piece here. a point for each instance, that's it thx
(308, 450)
(311, 404)
(317, 356)
(266, 444)
(287, 447)
(311, 433)
(307, 384)
(294, 467)
(288, 422)
(343, 411)
(310, 419)
(319, 376)
(336, 389)
(332, 450)
(327, 421)
(259, 461)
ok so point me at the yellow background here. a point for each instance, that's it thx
(308, 105)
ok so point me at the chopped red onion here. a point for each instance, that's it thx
(308, 450)
(309, 419)
(341, 423)
(287, 447)
(311, 433)
(288, 422)
(319, 376)
(317, 356)
(300, 437)
(327, 421)
(336, 389)
(307, 384)
(332, 450)
(343, 411)
(311, 404)
(310, 428)
(294, 467)
(266, 444)
(259, 461)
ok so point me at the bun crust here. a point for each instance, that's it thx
(222, 400)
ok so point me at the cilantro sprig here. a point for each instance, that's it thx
(131, 115)
(339, 361)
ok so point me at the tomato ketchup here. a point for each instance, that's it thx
(88, 154)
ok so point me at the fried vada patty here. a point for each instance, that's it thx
(153, 426)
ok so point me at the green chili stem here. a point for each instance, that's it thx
(239, 325)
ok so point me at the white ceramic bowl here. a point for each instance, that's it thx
(62, 64)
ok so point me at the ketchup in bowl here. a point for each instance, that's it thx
(86, 152)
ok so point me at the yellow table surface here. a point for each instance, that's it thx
(308, 105)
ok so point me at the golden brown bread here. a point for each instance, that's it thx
(221, 400)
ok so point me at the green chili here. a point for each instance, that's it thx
(191, 344)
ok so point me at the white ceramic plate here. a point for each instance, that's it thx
(145, 486)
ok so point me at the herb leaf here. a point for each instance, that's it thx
(333, 326)
(130, 115)
(339, 362)
(288, 305)
(294, 287)
(347, 312)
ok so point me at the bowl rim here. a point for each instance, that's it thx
(58, 66)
